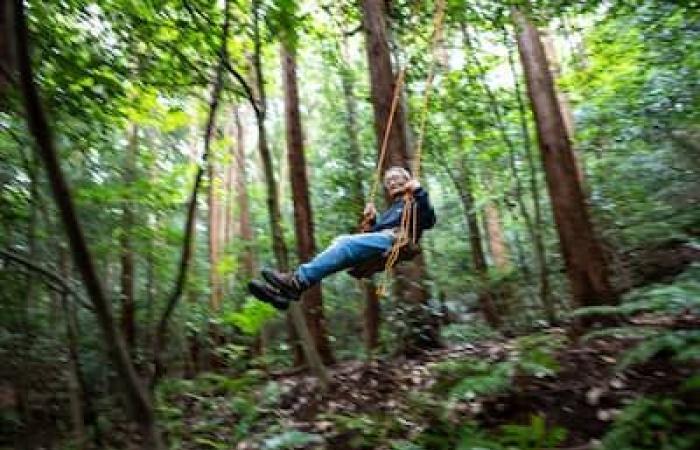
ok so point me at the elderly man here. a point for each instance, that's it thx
(350, 250)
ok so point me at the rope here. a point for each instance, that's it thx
(408, 215)
(385, 141)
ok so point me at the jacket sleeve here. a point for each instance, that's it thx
(426, 213)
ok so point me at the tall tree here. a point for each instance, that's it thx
(141, 407)
(7, 45)
(537, 228)
(499, 250)
(586, 266)
(215, 229)
(279, 246)
(303, 222)
(128, 320)
(247, 260)
(372, 306)
(423, 332)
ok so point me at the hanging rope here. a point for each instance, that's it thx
(408, 228)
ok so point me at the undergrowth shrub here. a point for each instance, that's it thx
(469, 377)
(659, 300)
(655, 424)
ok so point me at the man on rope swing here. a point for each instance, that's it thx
(350, 250)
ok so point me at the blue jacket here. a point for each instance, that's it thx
(391, 218)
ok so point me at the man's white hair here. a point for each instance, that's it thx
(397, 170)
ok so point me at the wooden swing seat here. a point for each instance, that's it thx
(368, 268)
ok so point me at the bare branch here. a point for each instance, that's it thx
(57, 282)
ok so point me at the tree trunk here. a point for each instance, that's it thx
(538, 227)
(409, 286)
(585, 265)
(279, 247)
(137, 398)
(499, 251)
(567, 116)
(486, 298)
(128, 322)
(214, 200)
(8, 60)
(372, 311)
(74, 389)
(247, 260)
(303, 222)
(191, 217)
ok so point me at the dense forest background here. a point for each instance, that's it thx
(156, 154)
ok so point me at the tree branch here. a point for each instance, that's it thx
(64, 285)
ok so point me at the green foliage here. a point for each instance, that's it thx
(662, 300)
(366, 431)
(535, 436)
(251, 317)
(461, 333)
(290, 440)
(680, 296)
(681, 345)
(469, 377)
(655, 423)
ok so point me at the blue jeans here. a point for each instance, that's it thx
(345, 251)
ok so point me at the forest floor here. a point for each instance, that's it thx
(522, 393)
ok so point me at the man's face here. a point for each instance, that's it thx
(395, 183)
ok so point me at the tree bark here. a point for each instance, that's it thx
(8, 59)
(214, 213)
(409, 276)
(585, 264)
(303, 222)
(137, 397)
(567, 116)
(499, 251)
(486, 298)
(247, 259)
(538, 226)
(128, 322)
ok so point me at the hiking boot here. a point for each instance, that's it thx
(268, 294)
(288, 284)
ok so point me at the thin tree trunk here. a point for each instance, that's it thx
(512, 158)
(583, 256)
(128, 322)
(187, 245)
(279, 246)
(214, 200)
(486, 298)
(537, 229)
(303, 221)
(372, 310)
(246, 230)
(499, 251)
(8, 57)
(141, 408)
(409, 286)
(74, 389)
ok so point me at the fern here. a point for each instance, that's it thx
(655, 423)
(534, 436)
(683, 295)
(683, 345)
(492, 379)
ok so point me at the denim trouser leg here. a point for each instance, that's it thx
(345, 251)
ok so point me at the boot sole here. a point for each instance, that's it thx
(266, 294)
